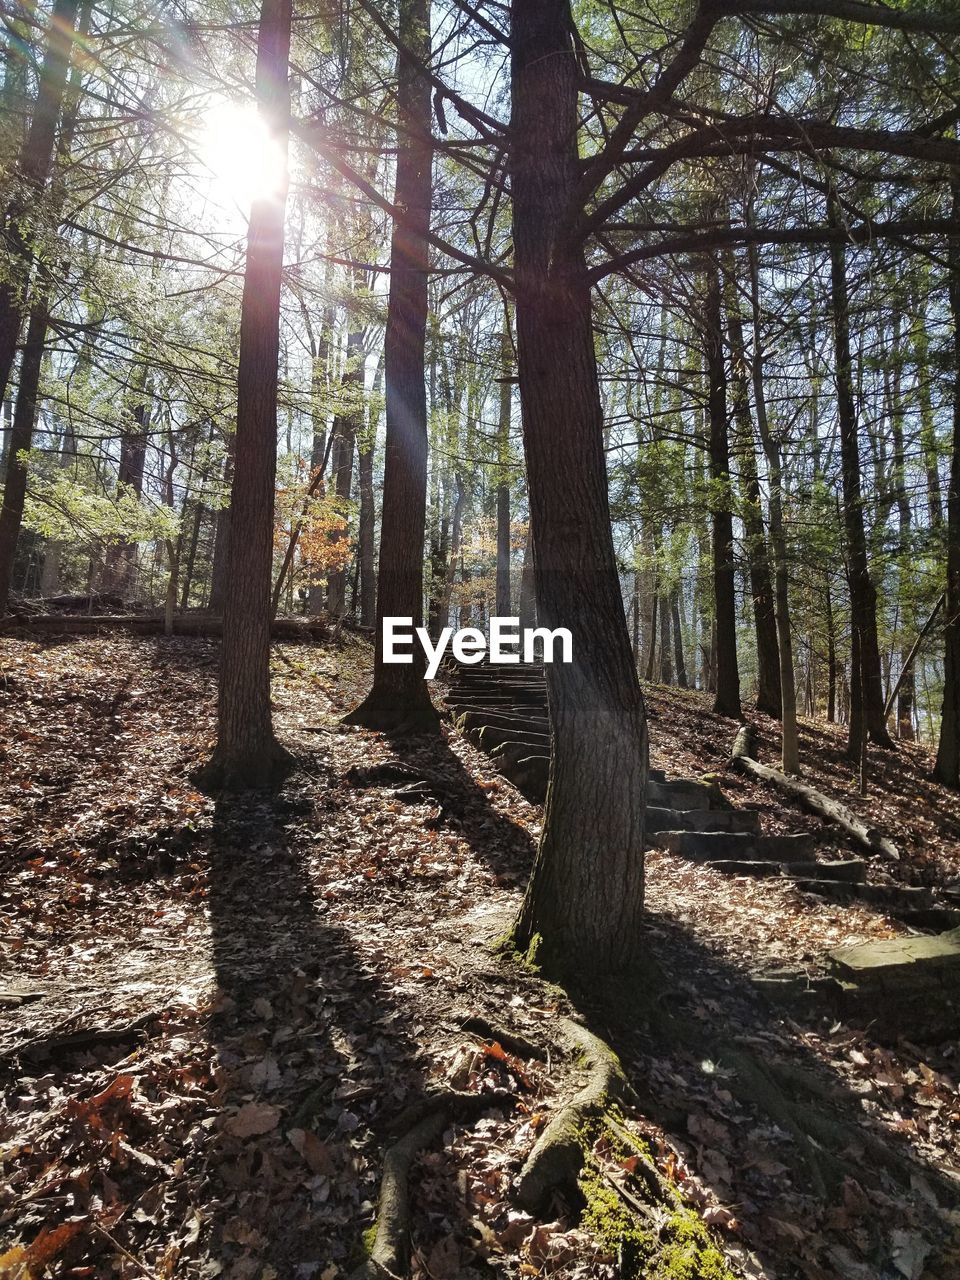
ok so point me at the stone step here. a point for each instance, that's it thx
(681, 794)
(740, 820)
(491, 736)
(744, 867)
(892, 897)
(477, 719)
(849, 870)
(529, 775)
(710, 846)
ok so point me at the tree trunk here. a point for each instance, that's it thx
(583, 907)
(868, 683)
(727, 700)
(678, 639)
(502, 606)
(347, 427)
(21, 435)
(221, 543)
(32, 170)
(247, 753)
(947, 767)
(666, 657)
(366, 558)
(789, 738)
(400, 697)
(119, 575)
(761, 585)
(528, 587)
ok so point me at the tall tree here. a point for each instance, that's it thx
(584, 902)
(399, 700)
(247, 753)
(31, 173)
(947, 768)
(866, 677)
(727, 700)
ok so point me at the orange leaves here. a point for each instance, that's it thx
(25, 1262)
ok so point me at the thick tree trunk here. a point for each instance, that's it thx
(21, 435)
(583, 908)
(400, 697)
(247, 753)
(947, 767)
(867, 683)
(727, 700)
(32, 171)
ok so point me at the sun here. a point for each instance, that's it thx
(239, 159)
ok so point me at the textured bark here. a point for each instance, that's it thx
(247, 753)
(947, 768)
(583, 907)
(400, 698)
(727, 700)
(32, 171)
(866, 683)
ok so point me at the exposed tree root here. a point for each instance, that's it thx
(422, 1124)
(559, 1153)
(396, 715)
(262, 770)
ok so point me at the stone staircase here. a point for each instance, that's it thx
(503, 711)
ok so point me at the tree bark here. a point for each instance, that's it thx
(727, 700)
(400, 700)
(247, 754)
(583, 908)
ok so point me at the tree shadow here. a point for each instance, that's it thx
(313, 1056)
(788, 1141)
(500, 843)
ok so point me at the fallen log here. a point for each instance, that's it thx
(815, 801)
(291, 629)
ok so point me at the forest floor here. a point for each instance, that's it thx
(212, 1012)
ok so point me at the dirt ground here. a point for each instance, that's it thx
(212, 1013)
